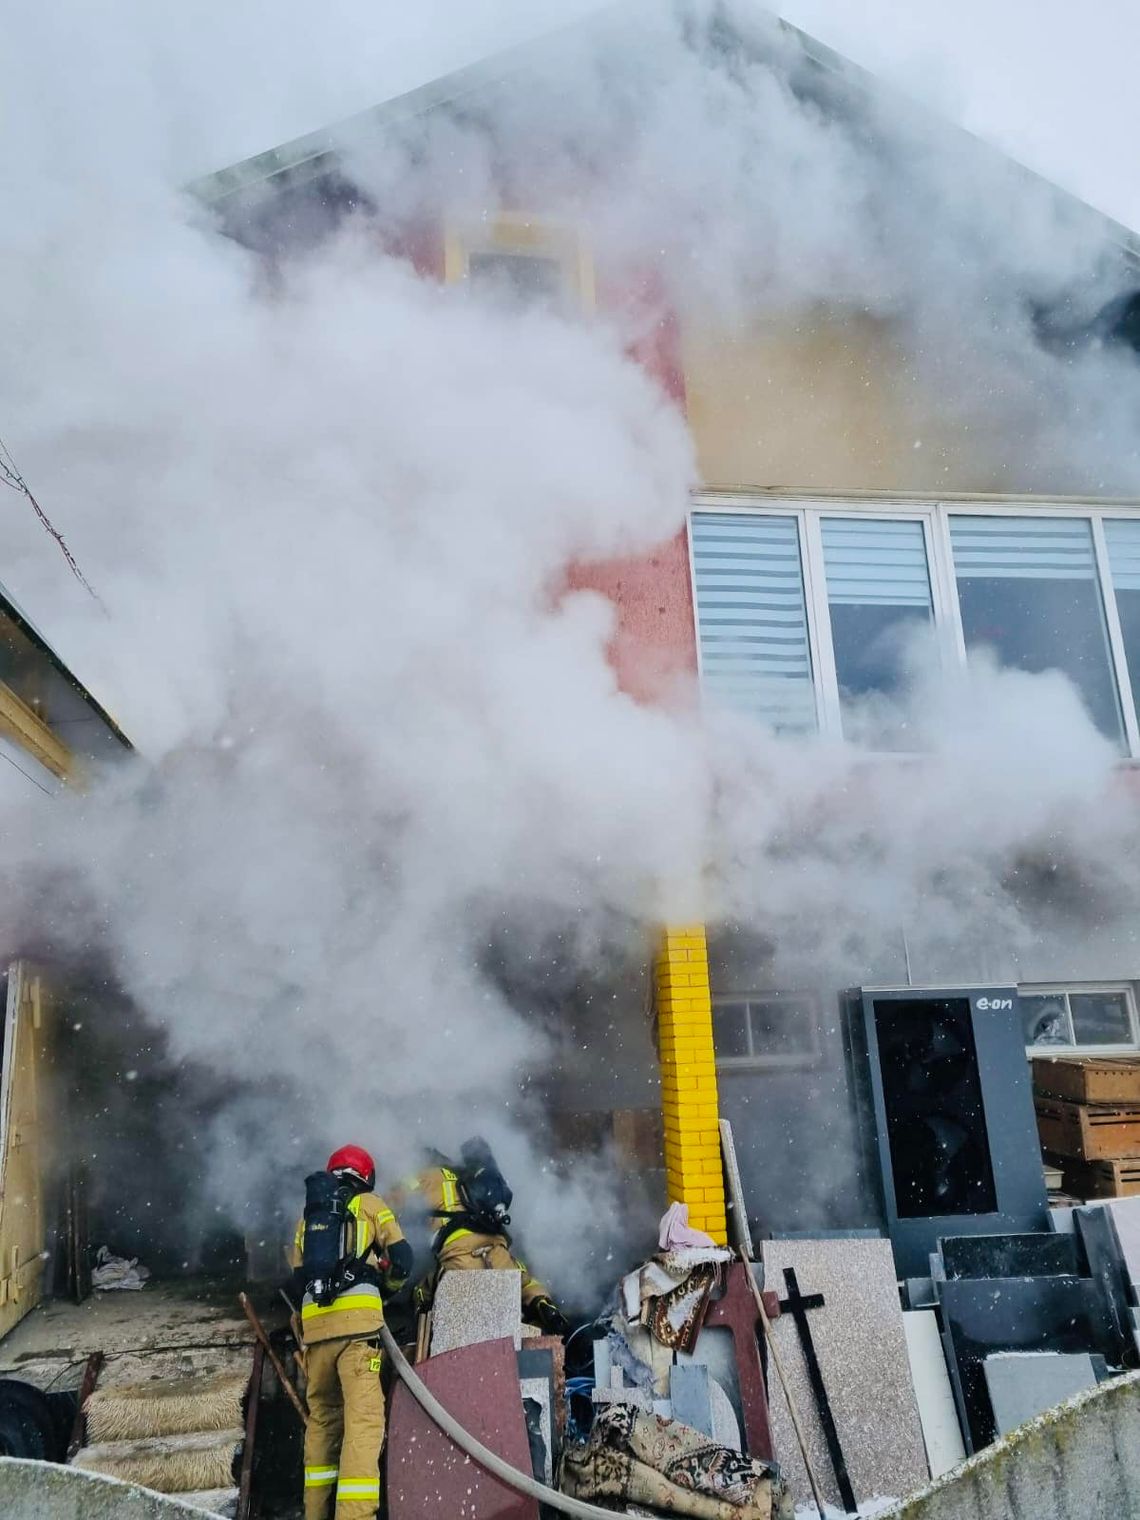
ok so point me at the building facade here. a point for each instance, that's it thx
(844, 527)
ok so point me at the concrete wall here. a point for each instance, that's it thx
(1080, 1461)
(44, 1491)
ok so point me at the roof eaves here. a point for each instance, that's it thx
(12, 611)
(306, 157)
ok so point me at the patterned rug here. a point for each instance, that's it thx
(639, 1458)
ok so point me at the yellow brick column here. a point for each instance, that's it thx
(688, 1078)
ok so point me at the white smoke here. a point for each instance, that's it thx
(330, 509)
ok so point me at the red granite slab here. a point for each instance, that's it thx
(737, 1311)
(427, 1474)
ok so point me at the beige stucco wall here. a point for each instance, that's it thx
(823, 402)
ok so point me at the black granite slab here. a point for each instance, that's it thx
(1107, 1268)
(984, 1315)
(1022, 1255)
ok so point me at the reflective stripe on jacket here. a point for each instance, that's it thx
(359, 1309)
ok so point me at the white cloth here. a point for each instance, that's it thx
(116, 1272)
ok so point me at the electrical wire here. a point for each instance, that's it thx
(10, 476)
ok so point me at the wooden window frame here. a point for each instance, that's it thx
(521, 234)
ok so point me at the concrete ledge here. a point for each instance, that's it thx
(1080, 1461)
(47, 1491)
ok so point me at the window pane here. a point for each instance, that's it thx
(878, 597)
(1028, 590)
(1123, 539)
(751, 617)
(782, 1026)
(518, 278)
(1100, 1018)
(730, 1029)
(1046, 1019)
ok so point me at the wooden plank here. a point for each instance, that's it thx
(1088, 1079)
(86, 1389)
(1087, 1132)
(1102, 1179)
(28, 730)
(245, 1487)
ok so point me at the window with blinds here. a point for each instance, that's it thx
(752, 618)
(1122, 538)
(879, 605)
(1028, 590)
(822, 614)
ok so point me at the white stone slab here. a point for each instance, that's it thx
(538, 1389)
(941, 1432)
(1126, 1217)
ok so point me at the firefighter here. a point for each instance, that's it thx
(468, 1204)
(365, 1256)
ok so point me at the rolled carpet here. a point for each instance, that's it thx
(168, 1464)
(137, 1410)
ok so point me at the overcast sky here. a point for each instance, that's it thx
(1052, 81)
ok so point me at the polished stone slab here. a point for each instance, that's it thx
(862, 1351)
(1020, 1255)
(983, 1316)
(1022, 1386)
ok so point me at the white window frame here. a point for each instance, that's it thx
(934, 514)
(1064, 989)
(800, 1060)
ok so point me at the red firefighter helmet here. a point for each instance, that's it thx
(354, 1159)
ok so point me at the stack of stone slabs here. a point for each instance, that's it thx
(1024, 1292)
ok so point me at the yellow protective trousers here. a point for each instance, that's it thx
(345, 1433)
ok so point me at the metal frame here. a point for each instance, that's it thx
(809, 509)
(1064, 989)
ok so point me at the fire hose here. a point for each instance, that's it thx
(522, 1482)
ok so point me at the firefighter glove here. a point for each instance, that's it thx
(549, 1317)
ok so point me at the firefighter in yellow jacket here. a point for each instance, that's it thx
(467, 1205)
(349, 1250)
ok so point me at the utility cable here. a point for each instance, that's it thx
(10, 476)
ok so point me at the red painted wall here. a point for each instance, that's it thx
(654, 651)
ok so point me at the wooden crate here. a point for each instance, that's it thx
(1088, 1131)
(1102, 1179)
(1088, 1079)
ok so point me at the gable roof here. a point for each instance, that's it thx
(814, 70)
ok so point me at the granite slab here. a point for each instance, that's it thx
(981, 1317)
(1045, 1254)
(736, 1312)
(1126, 1217)
(941, 1432)
(862, 1350)
(1022, 1386)
(427, 1473)
(1109, 1270)
(472, 1307)
(691, 1397)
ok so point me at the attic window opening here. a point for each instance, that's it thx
(520, 260)
(522, 279)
